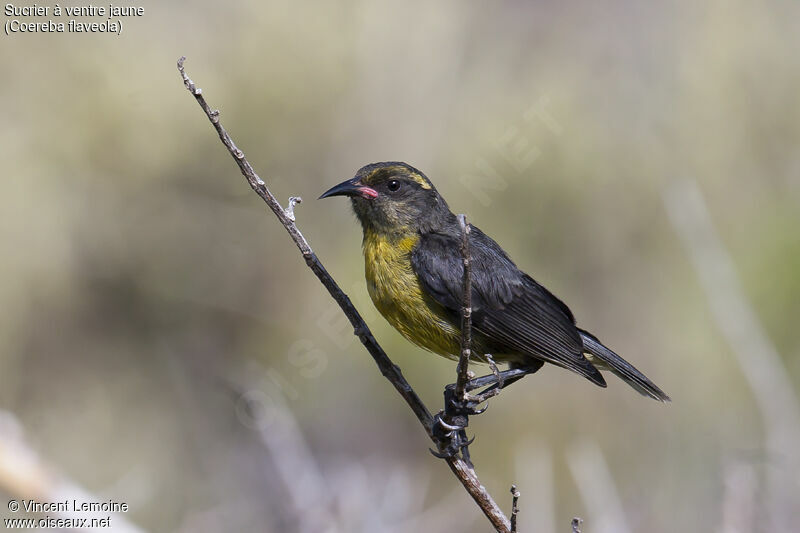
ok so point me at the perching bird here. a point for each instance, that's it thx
(414, 274)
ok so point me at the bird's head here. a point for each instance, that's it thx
(393, 197)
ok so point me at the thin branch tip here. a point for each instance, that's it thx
(514, 507)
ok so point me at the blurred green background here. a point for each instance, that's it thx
(163, 344)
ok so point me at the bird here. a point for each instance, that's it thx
(414, 273)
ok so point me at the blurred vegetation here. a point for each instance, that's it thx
(140, 276)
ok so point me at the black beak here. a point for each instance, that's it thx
(351, 187)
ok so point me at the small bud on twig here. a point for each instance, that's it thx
(293, 201)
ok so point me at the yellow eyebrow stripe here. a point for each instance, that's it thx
(420, 180)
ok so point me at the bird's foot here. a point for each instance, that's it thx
(467, 405)
(451, 435)
(449, 425)
(498, 383)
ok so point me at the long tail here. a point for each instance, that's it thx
(603, 358)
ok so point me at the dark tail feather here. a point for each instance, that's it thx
(604, 358)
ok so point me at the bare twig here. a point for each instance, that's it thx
(466, 313)
(456, 440)
(514, 508)
(465, 474)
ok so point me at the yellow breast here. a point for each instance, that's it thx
(395, 291)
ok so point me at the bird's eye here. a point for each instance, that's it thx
(393, 185)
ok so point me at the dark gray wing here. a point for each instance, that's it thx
(510, 309)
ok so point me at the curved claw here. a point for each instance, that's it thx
(479, 411)
(441, 455)
(448, 427)
(452, 449)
